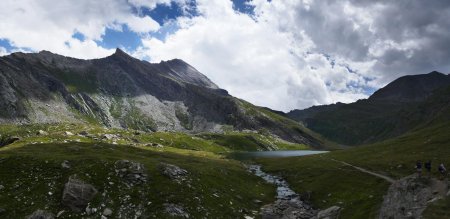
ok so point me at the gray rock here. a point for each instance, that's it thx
(68, 133)
(173, 172)
(42, 132)
(77, 194)
(107, 212)
(2, 210)
(109, 136)
(329, 213)
(2, 187)
(60, 213)
(409, 196)
(40, 214)
(175, 210)
(133, 173)
(287, 209)
(65, 164)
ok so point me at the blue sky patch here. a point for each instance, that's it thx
(6, 44)
(126, 39)
(78, 36)
(241, 6)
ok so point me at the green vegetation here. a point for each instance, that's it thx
(333, 183)
(251, 142)
(369, 121)
(183, 118)
(218, 187)
(77, 82)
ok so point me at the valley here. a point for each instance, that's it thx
(169, 143)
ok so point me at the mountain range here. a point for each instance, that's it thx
(120, 91)
(406, 104)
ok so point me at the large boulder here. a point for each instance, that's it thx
(77, 194)
(329, 213)
(40, 214)
(287, 209)
(173, 172)
(7, 140)
(131, 172)
(409, 196)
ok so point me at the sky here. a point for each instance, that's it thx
(282, 54)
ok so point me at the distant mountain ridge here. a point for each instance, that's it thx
(405, 104)
(412, 87)
(124, 92)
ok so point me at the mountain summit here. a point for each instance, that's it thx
(404, 104)
(124, 92)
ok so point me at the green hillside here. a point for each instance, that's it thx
(333, 183)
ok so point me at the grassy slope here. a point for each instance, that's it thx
(255, 111)
(31, 168)
(29, 172)
(361, 194)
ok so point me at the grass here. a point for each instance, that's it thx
(237, 141)
(361, 194)
(30, 172)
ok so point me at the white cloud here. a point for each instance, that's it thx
(254, 60)
(289, 54)
(50, 25)
(142, 24)
(3, 51)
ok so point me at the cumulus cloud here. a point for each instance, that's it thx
(285, 54)
(50, 25)
(254, 60)
(397, 37)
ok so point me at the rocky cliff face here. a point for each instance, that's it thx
(121, 91)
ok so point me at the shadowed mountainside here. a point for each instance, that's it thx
(408, 103)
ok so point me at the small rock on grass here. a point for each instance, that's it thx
(42, 132)
(107, 212)
(65, 164)
(175, 210)
(40, 214)
(173, 172)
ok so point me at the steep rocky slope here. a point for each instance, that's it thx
(121, 91)
(403, 105)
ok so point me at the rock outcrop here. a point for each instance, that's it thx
(40, 214)
(175, 210)
(132, 173)
(408, 197)
(287, 209)
(173, 172)
(77, 194)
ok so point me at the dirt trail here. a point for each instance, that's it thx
(387, 178)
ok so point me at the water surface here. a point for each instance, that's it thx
(256, 154)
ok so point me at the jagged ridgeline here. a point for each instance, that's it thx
(123, 92)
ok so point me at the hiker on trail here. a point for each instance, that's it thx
(442, 170)
(419, 168)
(428, 166)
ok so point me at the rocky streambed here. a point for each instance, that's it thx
(289, 204)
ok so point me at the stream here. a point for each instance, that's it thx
(288, 203)
(283, 190)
